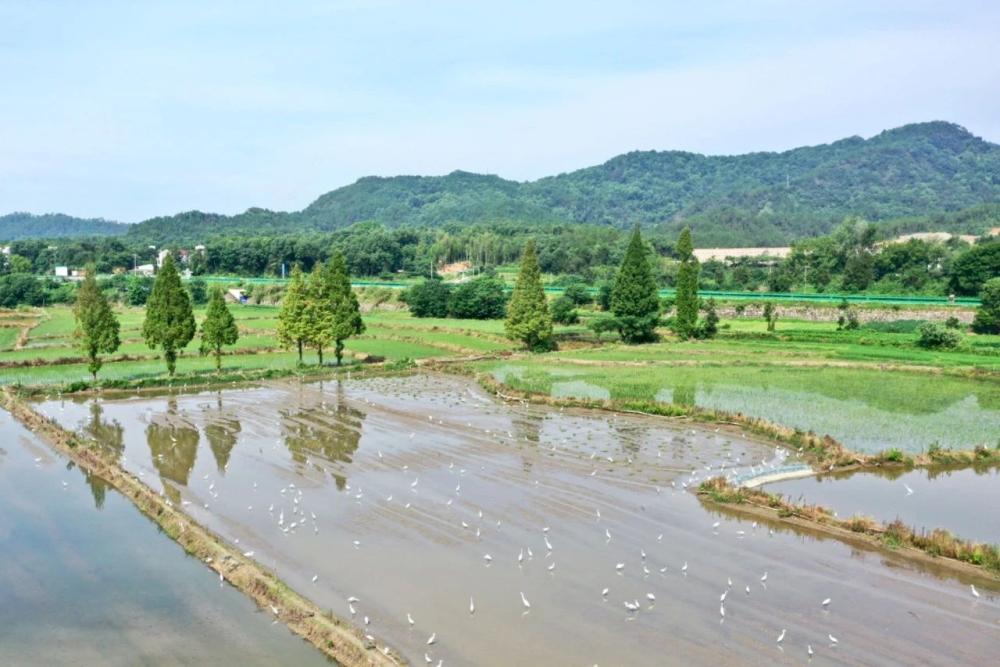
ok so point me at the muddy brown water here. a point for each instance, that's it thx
(964, 501)
(85, 579)
(414, 480)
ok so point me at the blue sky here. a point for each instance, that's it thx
(127, 110)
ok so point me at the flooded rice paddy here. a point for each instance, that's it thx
(963, 501)
(466, 531)
(868, 411)
(85, 579)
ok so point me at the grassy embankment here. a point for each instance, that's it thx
(937, 543)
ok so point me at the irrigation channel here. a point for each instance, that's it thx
(85, 579)
(965, 501)
(461, 529)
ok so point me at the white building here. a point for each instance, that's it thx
(62, 271)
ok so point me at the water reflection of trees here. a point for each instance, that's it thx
(222, 429)
(111, 435)
(173, 446)
(322, 429)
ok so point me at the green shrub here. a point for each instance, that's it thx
(578, 294)
(934, 336)
(987, 318)
(564, 311)
(428, 298)
(479, 299)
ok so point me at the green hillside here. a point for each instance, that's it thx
(922, 171)
(17, 226)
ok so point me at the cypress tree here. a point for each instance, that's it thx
(634, 301)
(346, 316)
(219, 327)
(96, 325)
(528, 318)
(169, 322)
(317, 316)
(687, 287)
(291, 318)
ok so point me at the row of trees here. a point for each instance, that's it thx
(168, 326)
(849, 259)
(633, 300)
(320, 310)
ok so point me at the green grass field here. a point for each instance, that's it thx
(868, 410)
(390, 335)
(869, 388)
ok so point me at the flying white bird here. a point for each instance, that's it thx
(432, 638)
(833, 640)
(524, 601)
(764, 578)
(909, 491)
(826, 602)
(409, 619)
(781, 637)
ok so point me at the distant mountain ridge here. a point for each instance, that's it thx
(17, 226)
(765, 198)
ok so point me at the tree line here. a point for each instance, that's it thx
(316, 312)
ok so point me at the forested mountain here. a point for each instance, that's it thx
(915, 171)
(17, 226)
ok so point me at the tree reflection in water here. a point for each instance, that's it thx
(221, 430)
(111, 436)
(323, 429)
(173, 446)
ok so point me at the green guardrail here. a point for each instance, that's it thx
(888, 299)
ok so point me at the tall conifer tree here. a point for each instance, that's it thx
(219, 327)
(528, 317)
(317, 324)
(96, 325)
(346, 316)
(687, 287)
(291, 318)
(634, 301)
(169, 323)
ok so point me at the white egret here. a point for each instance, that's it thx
(781, 637)
(524, 601)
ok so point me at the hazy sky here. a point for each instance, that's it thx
(127, 110)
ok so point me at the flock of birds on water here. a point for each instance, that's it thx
(298, 517)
